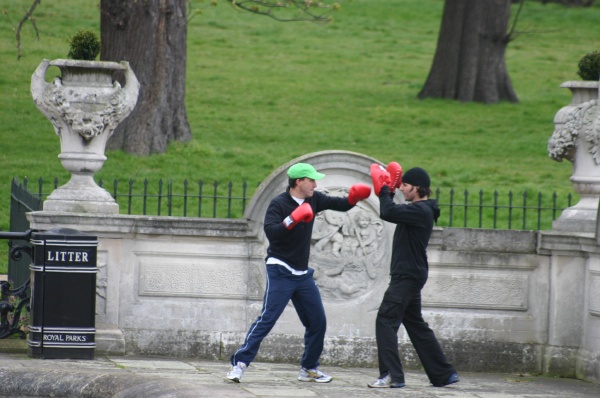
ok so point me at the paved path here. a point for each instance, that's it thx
(145, 377)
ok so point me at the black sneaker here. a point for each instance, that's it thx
(451, 380)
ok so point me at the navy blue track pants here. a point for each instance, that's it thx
(283, 286)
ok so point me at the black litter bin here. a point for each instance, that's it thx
(63, 295)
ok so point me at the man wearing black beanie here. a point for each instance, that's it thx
(401, 302)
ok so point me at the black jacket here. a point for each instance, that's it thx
(293, 246)
(414, 225)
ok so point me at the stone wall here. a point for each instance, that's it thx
(505, 301)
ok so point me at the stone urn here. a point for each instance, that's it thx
(85, 105)
(577, 138)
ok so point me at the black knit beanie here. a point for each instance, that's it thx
(416, 176)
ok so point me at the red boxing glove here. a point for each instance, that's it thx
(302, 213)
(380, 177)
(358, 192)
(395, 172)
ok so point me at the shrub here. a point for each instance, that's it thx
(589, 66)
(85, 45)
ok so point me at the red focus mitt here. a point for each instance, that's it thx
(358, 192)
(380, 177)
(395, 172)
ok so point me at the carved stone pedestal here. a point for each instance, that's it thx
(84, 105)
(576, 138)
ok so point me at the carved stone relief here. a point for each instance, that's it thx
(347, 250)
(584, 119)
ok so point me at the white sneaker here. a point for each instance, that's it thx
(385, 382)
(236, 372)
(313, 375)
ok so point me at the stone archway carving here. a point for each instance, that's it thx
(350, 251)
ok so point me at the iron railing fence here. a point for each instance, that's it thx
(526, 211)
(461, 209)
(21, 202)
(190, 199)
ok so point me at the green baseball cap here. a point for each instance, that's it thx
(301, 170)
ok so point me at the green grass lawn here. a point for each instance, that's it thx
(261, 92)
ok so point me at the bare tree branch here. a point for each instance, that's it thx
(512, 34)
(27, 17)
(306, 10)
(280, 10)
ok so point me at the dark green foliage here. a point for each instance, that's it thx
(85, 45)
(589, 66)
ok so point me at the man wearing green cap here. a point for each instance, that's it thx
(288, 227)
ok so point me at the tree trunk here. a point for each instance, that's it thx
(469, 60)
(151, 35)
